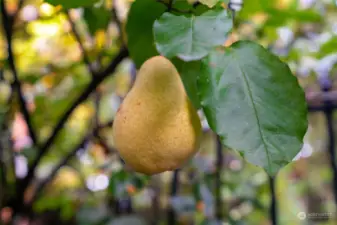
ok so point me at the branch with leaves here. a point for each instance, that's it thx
(8, 23)
(99, 78)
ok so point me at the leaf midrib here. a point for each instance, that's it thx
(255, 111)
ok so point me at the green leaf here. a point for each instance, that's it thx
(189, 72)
(279, 16)
(96, 18)
(191, 38)
(209, 3)
(328, 47)
(255, 104)
(139, 25)
(68, 4)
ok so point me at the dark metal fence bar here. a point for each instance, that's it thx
(171, 215)
(219, 166)
(273, 207)
(326, 85)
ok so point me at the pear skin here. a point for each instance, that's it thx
(156, 128)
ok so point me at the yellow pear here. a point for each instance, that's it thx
(156, 128)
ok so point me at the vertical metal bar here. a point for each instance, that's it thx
(219, 165)
(3, 177)
(273, 207)
(171, 216)
(326, 85)
(155, 204)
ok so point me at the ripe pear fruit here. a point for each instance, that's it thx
(156, 128)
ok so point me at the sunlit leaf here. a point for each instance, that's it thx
(209, 3)
(67, 4)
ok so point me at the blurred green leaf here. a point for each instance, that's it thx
(67, 4)
(140, 20)
(96, 18)
(279, 16)
(328, 47)
(244, 92)
(191, 38)
(209, 3)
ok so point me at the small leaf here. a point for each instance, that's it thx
(191, 38)
(209, 3)
(139, 25)
(255, 104)
(68, 4)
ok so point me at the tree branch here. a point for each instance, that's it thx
(66, 160)
(62, 163)
(123, 53)
(80, 44)
(16, 85)
(105, 146)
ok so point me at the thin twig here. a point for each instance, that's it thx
(97, 98)
(80, 44)
(16, 85)
(123, 53)
(170, 5)
(105, 146)
(106, 125)
(118, 22)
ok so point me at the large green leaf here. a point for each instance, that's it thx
(68, 4)
(139, 25)
(191, 38)
(255, 104)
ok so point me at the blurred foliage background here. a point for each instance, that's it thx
(94, 187)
